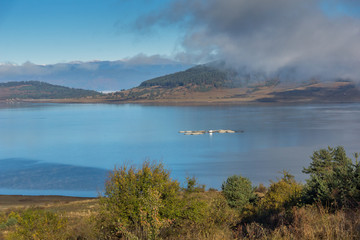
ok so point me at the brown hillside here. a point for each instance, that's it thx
(317, 92)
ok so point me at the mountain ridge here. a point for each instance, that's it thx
(203, 84)
(216, 83)
(41, 90)
(94, 75)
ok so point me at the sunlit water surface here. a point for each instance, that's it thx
(68, 149)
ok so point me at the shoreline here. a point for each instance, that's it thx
(180, 102)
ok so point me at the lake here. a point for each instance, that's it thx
(68, 149)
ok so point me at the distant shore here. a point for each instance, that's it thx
(329, 92)
(180, 102)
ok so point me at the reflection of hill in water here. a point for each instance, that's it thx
(29, 174)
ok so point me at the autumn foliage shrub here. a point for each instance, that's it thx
(282, 194)
(145, 203)
(138, 203)
(38, 224)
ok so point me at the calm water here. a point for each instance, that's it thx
(69, 148)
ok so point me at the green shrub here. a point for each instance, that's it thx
(204, 215)
(138, 203)
(193, 185)
(237, 191)
(282, 194)
(8, 220)
(274, 206)
(36, 224)
(146, 203)
(334, 179)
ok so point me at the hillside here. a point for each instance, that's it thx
(318, 92)
(213, 83)
(201, 76)
(207, 84)
(212, 75)
(41, 90)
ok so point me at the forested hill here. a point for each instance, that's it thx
(41, 90)
(201, 75)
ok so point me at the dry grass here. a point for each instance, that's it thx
(185, 96)
(18, 201)
(309, 223)
(79, 212)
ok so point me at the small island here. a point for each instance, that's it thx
(200, 132)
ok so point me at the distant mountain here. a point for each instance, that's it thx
(41, 90)
(210, 83)
(96, 75)
(201, 75)
(211, 75)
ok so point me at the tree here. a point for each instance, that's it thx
(237, 191)
(334, 179)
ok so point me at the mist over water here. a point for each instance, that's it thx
(71, 147)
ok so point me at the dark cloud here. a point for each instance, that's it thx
(267, 35)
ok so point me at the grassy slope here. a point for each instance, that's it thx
(318, 92)
(198, 85)
(77, 210)
(41, 90)
(209, 84)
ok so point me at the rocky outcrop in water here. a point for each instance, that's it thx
(200, 132)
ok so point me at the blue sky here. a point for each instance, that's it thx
(306, 32)
(51, 31)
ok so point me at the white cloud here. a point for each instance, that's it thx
(267, 35)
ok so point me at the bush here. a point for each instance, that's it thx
(138, 203)
(39, 224)
(275, 206)
(9, 220)
(146, 204)
(204, 215)
(282, 194)
(237, 191)
(193, 185)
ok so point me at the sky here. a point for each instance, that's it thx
(52, 31)
(311, 37)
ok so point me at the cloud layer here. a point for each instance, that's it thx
(96, 75)
(312, 37)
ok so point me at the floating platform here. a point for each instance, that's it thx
(200, 132)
